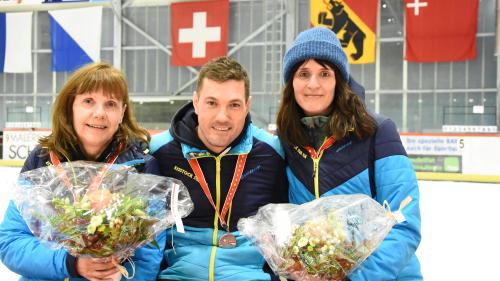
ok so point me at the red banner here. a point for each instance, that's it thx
(199, 31)
(441, 30)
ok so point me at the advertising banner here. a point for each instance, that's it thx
(17, 144)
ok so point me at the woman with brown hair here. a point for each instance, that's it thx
(333, 145)
(91, 120)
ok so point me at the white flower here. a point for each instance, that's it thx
(91, 228)
(96, 220)
(302, 242)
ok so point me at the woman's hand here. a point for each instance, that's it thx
(97, 269)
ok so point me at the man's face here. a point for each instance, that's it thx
(221, 109)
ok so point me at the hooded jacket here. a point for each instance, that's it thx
(352, 166)
(195, 255)
(24, 254)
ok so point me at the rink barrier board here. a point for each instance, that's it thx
(457, 177)
(451, 154)
(11, 163)
(454, 156)
(420, 175)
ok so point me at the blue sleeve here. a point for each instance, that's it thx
(147, 260)
(159, 140)
(20, 250)
(23, 253)
(395, 180)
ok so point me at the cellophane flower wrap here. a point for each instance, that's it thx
(324, 239)
(123, 211)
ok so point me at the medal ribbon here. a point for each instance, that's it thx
(316, 156)
(97, 180)
(326, 144)
(238, 171)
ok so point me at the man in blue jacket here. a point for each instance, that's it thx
(230, 167)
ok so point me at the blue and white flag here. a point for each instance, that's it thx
(75, 37)
(15, 42)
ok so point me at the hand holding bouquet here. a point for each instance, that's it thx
(66, 206)
(101, 224)
(324, 239)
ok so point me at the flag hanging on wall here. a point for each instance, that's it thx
(354, 22)
(199, 31)
(441, 30)
(15, 42)
(75, 37)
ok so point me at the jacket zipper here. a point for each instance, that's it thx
(316, 176)
(316, 157)
(216, 220)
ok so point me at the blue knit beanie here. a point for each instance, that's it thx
(316, 43)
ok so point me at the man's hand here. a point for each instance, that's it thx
(97, 269)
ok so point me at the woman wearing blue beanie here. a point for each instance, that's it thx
(333, 145)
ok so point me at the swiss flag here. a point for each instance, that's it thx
(441, 30)
(199, 31)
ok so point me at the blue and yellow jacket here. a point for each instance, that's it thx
(23, 253)
(194, 255)
(345, 168)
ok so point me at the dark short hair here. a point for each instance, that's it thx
(223, 69)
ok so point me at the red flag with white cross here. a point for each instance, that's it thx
(199, 31)
(441, 30)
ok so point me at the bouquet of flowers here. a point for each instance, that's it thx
(98, 209)
(324, 239)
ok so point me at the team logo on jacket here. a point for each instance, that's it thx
(300, 152)
(185, 173)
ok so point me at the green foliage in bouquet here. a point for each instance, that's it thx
(322, 249)
(103, 227)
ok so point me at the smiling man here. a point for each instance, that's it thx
(230, 167)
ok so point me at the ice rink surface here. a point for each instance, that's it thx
(460, 229)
